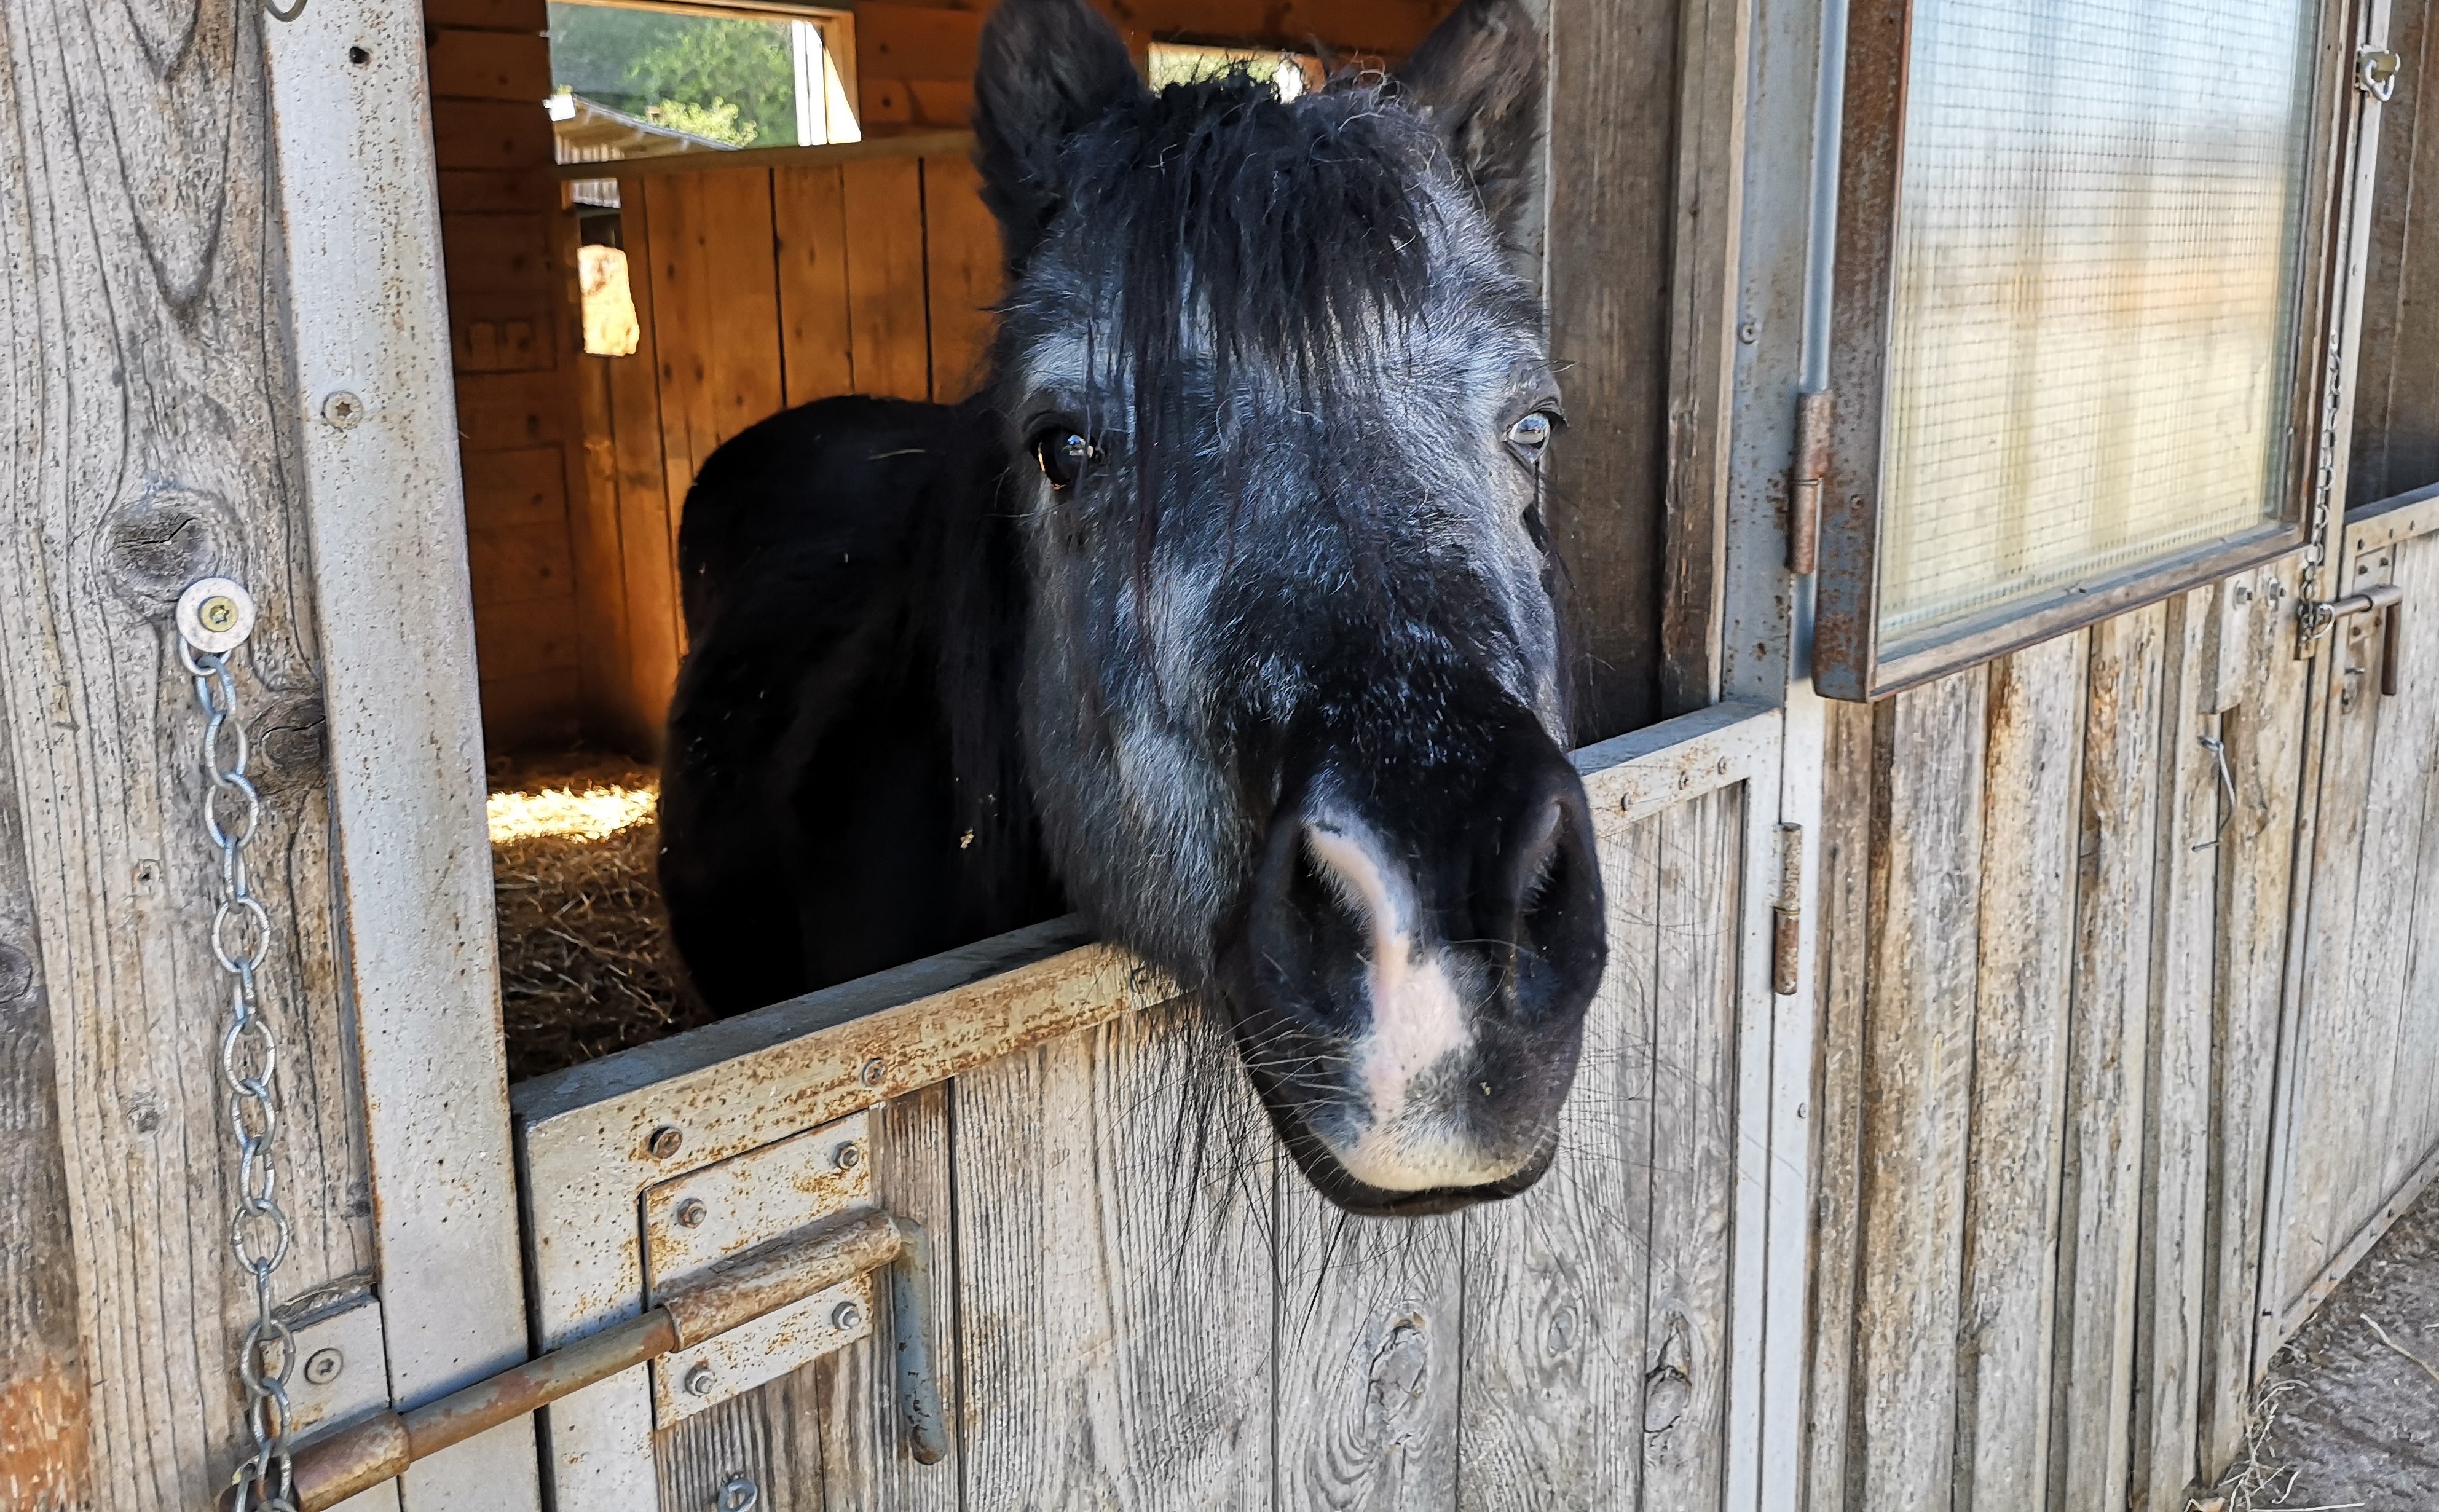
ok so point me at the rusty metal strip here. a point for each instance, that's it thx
(738, 1291)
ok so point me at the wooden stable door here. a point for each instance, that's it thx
(2359, 1125)
(1134, 1301)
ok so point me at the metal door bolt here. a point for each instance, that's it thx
(846, 1317)
(700, 1380)
(663, 1143)
(322, 1366)
(873, 1072)
(849, 1156)
(691, 1213)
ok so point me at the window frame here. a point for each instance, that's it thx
(1848, 657)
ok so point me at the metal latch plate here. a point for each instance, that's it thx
(686, 1381)
(696, 1219)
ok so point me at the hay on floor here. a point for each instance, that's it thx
(585, 963)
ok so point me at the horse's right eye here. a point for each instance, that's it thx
(1062, 453)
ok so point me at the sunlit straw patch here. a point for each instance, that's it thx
(594, 811)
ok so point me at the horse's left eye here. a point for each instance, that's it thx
(1532, 432)
(1062, 453)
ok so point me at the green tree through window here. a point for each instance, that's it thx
(728, 79)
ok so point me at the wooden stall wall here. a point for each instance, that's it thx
(2360, 1104)
(509, 262)
(149, 391)
(2053, 956)
(756, 288)
(1144, 1305)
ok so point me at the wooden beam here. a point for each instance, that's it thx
(385, 512)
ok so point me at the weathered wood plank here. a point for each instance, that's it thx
(1613, 170)
(44, 1396)
(1556, 1280)
(605, 644)
(769, 1436)
(405, 749)
(887, 328)
(808, 209)
(1693, 1154)
(2165, 1453)
(961, 272)
(864, 1458)
(2334, 1045)
(647, 527)
(1113, 1273)
(2264, 730)
(1370, 1346)
(1844, 970)
(1916, 1090)
(2100, 1215)
(147, 383)
(2030, 783)
(2410, 724)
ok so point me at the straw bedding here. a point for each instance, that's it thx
(585, 963)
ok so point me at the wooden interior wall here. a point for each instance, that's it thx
(508, 259)
(150, 389)
(914, 62)
(758, 288)
(2050, 1025)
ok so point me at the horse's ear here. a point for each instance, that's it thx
(1048, 68)
(1480, 77)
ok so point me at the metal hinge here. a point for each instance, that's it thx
(1787, 913)
(2375, 72)
(1805, 481)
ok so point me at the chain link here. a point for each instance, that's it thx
(2313, 614)
(259, 1233)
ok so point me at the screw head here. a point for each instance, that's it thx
(873, 1072)
(700, 1380)
(849, 1156)
(846, 1317)
(218, 613)
(343, 409)
(665, 1142)
(691, 1213)
(1748, 332)
(322, 1366)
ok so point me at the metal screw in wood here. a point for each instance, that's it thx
(700, 1380)
(846, 1317)
(663, 1143)
(322, 1366)
(691, 1213)
(849, 1157)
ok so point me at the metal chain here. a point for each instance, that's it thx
(290, 14)
(249, 1057)
(2314, 615)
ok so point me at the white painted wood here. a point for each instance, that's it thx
(359, 193)
(1632, 776)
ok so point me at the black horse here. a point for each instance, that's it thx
(1226, 614)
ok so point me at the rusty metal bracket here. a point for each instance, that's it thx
(733, 1293)
(1813, 412)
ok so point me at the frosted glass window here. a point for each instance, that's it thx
(2099, 237)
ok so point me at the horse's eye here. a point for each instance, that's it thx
(1062, 453)
(1532, 432)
